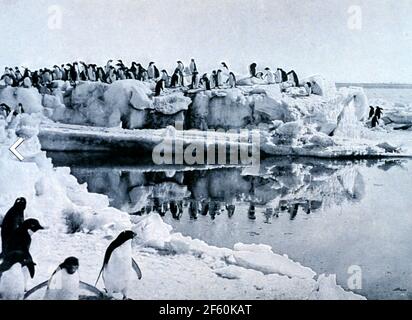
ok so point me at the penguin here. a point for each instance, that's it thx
(65, 75)
(12, 220)
(91, 72)
(134, 69)
(219, 80)
(371, 112)
(19, 109)
(252, 70)
(225, 67)
(193, 209)
(64, 283)
(12, 282)
(26, 82)
(175, 79)
(192, 66)
(378, 112)
(140, 72)
(232, 80)
(293, 77)
(20, 240)
(57, 73)
(230, 210)
(180, 66)
(100, 74)
(4, 107)
(269, 76)
(18, 74)
(205, 81)
(375, 121)
(152, 71)
(308, 88)
(165, 77)
(121, 75)
(83, 71)
(252, 212)
(195, 80)
(108, 66)
(160, 85)
(120, 64)
(118, 264)
(215, 79)
(283, 77)
(73, 76)
(8, 79)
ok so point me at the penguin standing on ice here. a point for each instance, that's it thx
(12, 220)
(175, 79)
(205, 81)
(165, 77)
(232, 80)
(21, 241)
(160, 86)
(192, 66)
(152, 71)
(64, 283)
(378, 112)
(252, 70)
(371, 112)
(375, 121)
(195, 80)
(12, 282)
(118, 265)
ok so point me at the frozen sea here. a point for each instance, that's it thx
(328, 215)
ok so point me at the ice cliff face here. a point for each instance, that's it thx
(131, 104)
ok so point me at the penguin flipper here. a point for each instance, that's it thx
(136, 269)
(34, 289)
(91, 288)
(98, 277)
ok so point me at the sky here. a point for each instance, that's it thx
(344, 40)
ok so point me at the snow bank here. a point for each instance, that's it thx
(257, 264)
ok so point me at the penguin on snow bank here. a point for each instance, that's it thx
(118, 265)
(11, 221)
(12, 280)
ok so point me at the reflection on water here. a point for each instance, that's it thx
(328, 215)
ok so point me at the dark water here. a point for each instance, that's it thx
(328, 215)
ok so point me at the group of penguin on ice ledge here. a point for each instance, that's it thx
(16, 263)
(81, 71)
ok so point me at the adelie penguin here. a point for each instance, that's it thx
(64, 283)
(20, 240)
(12, 220)
(375, 121)
(152, 71)
(232, 80)
(252, 69)
(118, 265)
(378, 112)
(371, 112)
(160, 86)
(175, 79)
(12, 280)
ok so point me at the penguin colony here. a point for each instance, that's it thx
(17, 265)
(76, 72)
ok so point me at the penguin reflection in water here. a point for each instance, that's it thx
(118, 265)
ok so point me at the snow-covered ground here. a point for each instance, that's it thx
(173, 266)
